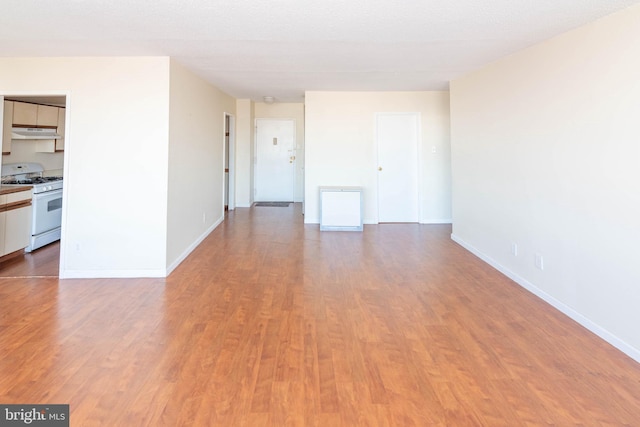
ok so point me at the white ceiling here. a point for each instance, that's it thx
(280, 48)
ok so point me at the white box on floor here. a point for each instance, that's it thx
(341, 208)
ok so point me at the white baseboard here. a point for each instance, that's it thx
(192, 246)
(437, 221)
(612, 339)
(368, 221)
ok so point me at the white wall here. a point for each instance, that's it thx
(546, 154)
(245, 130)
(340, 147)
(115, 209)
(294, 111)
(196, 162)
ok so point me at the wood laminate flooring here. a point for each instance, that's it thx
(43, 262)
(271, 322)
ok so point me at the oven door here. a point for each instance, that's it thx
(47, 211)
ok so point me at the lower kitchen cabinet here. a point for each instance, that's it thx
(17, 229)
(15, 221)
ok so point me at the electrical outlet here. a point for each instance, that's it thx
(514, 249)
(539, 262)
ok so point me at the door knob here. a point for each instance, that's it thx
(379, 168)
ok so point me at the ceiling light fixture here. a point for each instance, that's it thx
(268, 99)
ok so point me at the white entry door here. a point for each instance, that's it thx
(397, 137)
(275, 160)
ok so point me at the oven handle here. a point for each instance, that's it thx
(47, 194)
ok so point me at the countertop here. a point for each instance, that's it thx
(7, 189)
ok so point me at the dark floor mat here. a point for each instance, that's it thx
(273, 204)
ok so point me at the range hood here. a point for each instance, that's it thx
(34, 133)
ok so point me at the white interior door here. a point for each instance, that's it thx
(397, 139)
(275, 160)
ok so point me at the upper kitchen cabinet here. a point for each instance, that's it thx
(54, 145)
(26, 114)
(7, 122)
(47, 116)
(61, 129)
(29, 114)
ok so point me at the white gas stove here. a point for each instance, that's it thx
(30, 174)
(46, 202)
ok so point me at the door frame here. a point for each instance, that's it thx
(68, 142)
(419, 172)
(255, 151)
(229, 187)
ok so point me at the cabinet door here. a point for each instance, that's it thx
(61, 129)
(25, 114)
(17, 229)
(47, 116)
(7, 122)
(17, 226)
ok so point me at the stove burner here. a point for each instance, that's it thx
(31, 181)
(16, 182)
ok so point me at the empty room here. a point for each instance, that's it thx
(295, 213)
